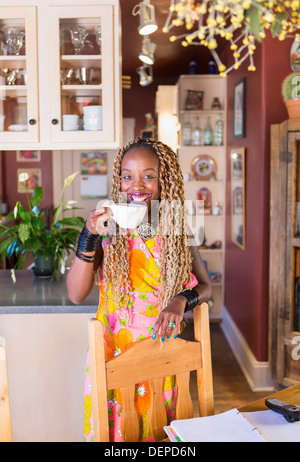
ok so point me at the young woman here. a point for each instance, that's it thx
(148, 276)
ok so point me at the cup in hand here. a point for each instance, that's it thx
(128, 215)
(70, 122)
(92, 117)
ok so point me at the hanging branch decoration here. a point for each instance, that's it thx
(240, 22)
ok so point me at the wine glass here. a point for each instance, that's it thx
(13, 39)
(78, 36)
(97, 30)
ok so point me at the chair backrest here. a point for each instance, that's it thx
(147, 360)
(5, 418)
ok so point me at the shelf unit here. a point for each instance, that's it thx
(214, 225)
(36, 108)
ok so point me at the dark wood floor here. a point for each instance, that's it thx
(231, 389)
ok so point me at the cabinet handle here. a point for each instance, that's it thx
(32, 121)
(54, 121)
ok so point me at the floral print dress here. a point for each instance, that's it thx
(127, 328)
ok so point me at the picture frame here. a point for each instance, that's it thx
(239, 109)
(238, 193)
(31, 176)
(194, 100)
(28, 156)
(147, 133)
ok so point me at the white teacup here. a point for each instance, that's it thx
(128, 215)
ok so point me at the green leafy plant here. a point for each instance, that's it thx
(31, 234)
(290, 88)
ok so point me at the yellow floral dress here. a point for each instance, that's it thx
(127, 328)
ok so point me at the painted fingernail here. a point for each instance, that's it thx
(175, 336)
(163, 339)
(168, 336)
(154, 336)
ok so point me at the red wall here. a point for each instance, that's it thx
(9, 178)
(246, 271)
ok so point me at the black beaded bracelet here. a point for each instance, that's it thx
(85, 258)
(87, 241)
(192, 297)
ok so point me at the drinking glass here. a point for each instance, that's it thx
(13, 39)
(78, 36)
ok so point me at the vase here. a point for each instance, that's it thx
(43, 266)
(293, 108)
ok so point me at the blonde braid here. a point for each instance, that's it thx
(175, 256)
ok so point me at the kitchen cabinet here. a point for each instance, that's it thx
(68, 60)
(284, 269)
(202, 99)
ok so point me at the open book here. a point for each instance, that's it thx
(235, 426)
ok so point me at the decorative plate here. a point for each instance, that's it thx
(204, 168)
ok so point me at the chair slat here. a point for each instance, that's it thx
(98, 381)
(158, 415)
(5, 417)
(204, 374)
(184, 403)
(129, 421)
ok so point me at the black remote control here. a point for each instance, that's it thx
(290, 412)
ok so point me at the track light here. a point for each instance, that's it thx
(147, 52)
(147, 17)
(146, 75)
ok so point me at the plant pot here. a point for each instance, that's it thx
(293, 108)
(43, 266)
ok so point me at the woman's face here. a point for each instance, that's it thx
(139, 176)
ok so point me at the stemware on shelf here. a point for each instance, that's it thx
(13, 39)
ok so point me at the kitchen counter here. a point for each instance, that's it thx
(32, 294)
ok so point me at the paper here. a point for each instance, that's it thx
(93, 186)
(234, 426)
(230, 426)
(273, 427)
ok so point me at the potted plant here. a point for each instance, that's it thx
(50, 245)
(291, 94)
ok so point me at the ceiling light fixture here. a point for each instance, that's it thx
(147, 52)
(241, 22)
(147, 17)
(146, 75)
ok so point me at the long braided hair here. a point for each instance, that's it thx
(175, 261)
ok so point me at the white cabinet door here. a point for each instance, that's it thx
(19, 115)
(81, 74)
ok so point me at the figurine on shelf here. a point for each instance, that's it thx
(202, 239)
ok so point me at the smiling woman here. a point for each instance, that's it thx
(145, 280)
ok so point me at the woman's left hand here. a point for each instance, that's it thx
(173, 313)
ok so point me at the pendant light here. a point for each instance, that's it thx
(147, 17)
(146, 75)
(147, 52)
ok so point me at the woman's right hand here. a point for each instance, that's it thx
(98, 218)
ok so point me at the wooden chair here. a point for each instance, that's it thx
(146, 360)
(5, 418)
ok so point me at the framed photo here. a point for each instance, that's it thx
(93, 175)
(147, 133)
(28, 156)
(237, 168)
(239, 111)
(28, 179)
(194, 100)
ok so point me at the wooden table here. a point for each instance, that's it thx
(289, 395)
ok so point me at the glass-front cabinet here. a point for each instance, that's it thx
(82, 92)
(60, 75)
(19, 114)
